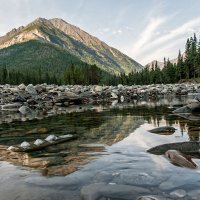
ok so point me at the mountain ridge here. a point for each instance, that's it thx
(73, 40)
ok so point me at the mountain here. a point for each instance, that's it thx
(66, 39)
(161, 64)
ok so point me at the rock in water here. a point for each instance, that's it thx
(25, 110)
(25, 145)
(193, 107)
(38, 142)
(98, 190)
(190, 148)
(164, 130)
(177, 158)
(51, 138)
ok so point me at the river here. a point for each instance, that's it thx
(108, 158)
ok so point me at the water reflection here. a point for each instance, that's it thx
(95, 129)
(109, 151)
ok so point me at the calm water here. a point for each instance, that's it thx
(107, 160)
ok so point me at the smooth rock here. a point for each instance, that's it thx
(25, 110)
(51, 138)
(165, 130)
(38, 142)
(189, 148)
(25, 145)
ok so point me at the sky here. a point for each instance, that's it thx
(145, 30)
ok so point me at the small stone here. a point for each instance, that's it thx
(38, 142)
(98, 88)
(114, 96)
(11, 148)
(25, 145)
(19, 99)
(51, 138)
(21, 86)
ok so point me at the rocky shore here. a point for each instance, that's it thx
(41, 100)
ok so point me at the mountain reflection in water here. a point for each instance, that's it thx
(109, 150)
(95, 129)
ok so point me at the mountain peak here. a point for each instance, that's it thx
(73, 40)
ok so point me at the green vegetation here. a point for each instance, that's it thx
(39, 62)
(187, 67)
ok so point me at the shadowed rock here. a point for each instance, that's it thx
(164, 130)
(190, 148)
(193, 107)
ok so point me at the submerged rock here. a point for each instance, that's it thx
(164, 130)
(178, 193)
(178, 158)
(152, 197)
(98, 190)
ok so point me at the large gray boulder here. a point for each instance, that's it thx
(31, 89)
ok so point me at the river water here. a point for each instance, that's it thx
(106, 160)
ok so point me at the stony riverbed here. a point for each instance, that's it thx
(108, 158)
(29, 102)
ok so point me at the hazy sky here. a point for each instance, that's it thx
(143, 29)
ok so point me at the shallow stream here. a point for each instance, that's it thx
(106, 160)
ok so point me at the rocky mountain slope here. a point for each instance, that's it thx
(71, 40)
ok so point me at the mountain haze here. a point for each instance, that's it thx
(69, 39)
(161, 64)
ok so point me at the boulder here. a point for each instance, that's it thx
(30, 89)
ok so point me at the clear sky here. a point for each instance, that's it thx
(143, 29)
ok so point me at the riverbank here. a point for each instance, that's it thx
(29, 102)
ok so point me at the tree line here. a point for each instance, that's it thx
(187, 67)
